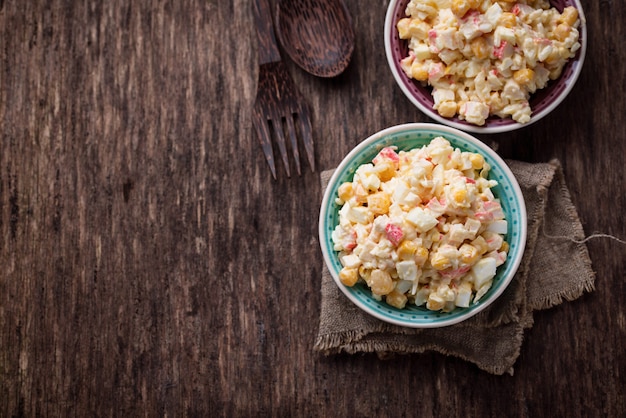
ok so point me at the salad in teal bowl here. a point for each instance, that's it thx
(422, 225)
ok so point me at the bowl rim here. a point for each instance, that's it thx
(402, 80)
(443, 131)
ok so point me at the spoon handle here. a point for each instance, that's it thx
(268, 49)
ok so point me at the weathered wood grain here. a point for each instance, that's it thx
(150, 265)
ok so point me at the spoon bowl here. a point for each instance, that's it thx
(316, 34)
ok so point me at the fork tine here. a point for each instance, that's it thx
(280, 139)
(294, 141)
(263, 133)
(278, 97)
(307, 137)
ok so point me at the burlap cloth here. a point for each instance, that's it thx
(556, 267)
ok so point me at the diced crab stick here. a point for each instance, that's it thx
(498, 51)
(542, 41)
(455, 273)
(436, 206)
(394, 234)
(483, 216)
(386, 154)
(473, 16)
(493, 240)
(489, 211)
(494, 208)
(350, 241)
(436, 71)
(499, 256)
(432, 36)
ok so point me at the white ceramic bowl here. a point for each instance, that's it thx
(407, 137)
(542, 102)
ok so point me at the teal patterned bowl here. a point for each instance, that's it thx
(406, 137)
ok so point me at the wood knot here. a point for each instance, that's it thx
(127, 187)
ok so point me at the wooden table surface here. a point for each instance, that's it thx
(151, 266)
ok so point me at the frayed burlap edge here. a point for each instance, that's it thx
(385, 339)
(581, 252)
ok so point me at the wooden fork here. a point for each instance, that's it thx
(279, 106)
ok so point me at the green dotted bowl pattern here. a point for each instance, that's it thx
(406, 137)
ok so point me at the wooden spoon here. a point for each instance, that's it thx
(316, 34)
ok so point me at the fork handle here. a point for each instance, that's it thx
(268, 49)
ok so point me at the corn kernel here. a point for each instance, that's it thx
(569, 16)
(555, 55)
(480, 244)
(381, 282)
(345, 191)
(439, 262)
(504, 247)
(378, 203)
(524, 76)
(434, 235)
(555, 72)
(479, 48)
(477, 161)
(419, 71)
(365, 273)
(460, 7)
(403, 28)
(406, 250)
(447, 109)
(412, 28)
(508, 20)
(419, 29)
(469, 254)
(435, 302)
(348, 276)
(360, 193)
(385, 170)
(495, 102)
(421, 255)
(460, 195)
(506, 5)
(396, 299)
(562, 31)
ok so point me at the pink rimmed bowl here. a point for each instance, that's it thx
(542, 102)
